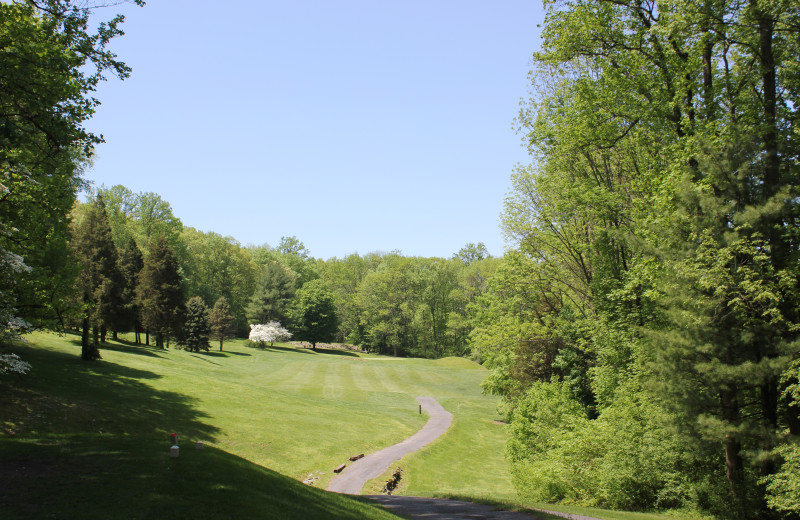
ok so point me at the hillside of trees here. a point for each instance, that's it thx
(132, 249)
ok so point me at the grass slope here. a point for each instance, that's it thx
(101, 429)
(90, 440)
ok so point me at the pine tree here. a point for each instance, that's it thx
(270, 301)
(197, 327)
(130, 263)
(221, 321)
(159, 293)
(100, 280)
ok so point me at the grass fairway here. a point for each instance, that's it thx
(90, 440)
(100, 430)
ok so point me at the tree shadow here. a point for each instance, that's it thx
(65, 395)
(201, 358)
(289, 349)
(223, 354)
(336, 352)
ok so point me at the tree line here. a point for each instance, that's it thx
(643, 331)
(139, 264)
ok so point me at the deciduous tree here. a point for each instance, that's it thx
(315, 314)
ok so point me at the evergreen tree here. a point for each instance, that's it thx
(221, 321)
(159, 293)
(315, 314)
(197, 327)
(130, 263)
(271, 299)
(100, 280)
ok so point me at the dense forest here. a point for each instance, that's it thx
(642, 328)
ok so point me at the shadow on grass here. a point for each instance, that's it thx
(336, 352)
(201, 358)
(135, 479)
(276, 348)
(223, 354)
(65, 395)
(128, 348)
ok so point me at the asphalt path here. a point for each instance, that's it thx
(443, 509)
(357, 474)
(353, 478)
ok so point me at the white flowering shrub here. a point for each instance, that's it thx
(261, 334)
(11, 326)
(12, 363)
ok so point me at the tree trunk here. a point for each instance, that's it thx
(86, 348)
(220, 344)
(734, 465)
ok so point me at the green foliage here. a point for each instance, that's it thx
(130, 264)
(273, 293)
(783, 487)
(657, 254)
(100, 283)
(160, 294)
(221, 321)
(215, 267)
(314, 314)
(52, 64)
(197, 327)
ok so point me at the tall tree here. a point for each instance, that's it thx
(315, 314)
(222, 321)
(159, 293)
(197, 327)
(215, 266)
(52, 64)
(130, 264)
(100, 280)
(273, 294)
(663, 134)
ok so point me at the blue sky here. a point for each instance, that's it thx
(356, 126)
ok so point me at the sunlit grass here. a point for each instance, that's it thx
(92, 437)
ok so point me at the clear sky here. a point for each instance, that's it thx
(356, 126)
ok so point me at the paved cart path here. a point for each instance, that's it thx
(358, 473)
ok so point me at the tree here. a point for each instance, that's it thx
(663, 198)
(159, 293)
(197, 327)
(221, 321)
(261, 334)
(52, 64)
(100, 280)
(388, 301)
(472, 253)
(130, 264)
(272, 296)
(315, 314)
(215, 266)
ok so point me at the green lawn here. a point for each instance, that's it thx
(90, 439)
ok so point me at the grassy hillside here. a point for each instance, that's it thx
(91, 440)
(298, 412)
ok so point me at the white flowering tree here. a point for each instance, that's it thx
(261, 334)
(11, 326)
(11, 363)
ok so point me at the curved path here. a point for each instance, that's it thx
(357, 474)
(424, 508)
